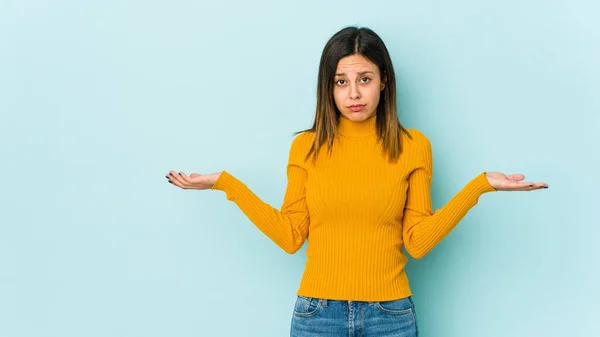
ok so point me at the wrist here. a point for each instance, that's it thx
(216, 177)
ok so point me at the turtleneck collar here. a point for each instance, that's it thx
(365, 128)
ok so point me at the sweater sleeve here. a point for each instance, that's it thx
(287, 227)
(422, 228)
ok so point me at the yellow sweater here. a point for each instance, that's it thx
(356, 211)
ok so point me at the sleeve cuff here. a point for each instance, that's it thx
(225, 180)
(482, 184)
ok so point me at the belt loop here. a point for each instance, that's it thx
(324, 302)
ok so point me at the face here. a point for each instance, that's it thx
(357, 87)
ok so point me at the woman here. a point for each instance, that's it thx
(358, 190)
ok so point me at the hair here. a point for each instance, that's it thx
(350, 41)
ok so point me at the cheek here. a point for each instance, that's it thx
(338, 97)
(374, 94)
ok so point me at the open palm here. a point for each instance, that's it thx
(513, 182)
(194, 181)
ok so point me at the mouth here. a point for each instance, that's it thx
(356, 107)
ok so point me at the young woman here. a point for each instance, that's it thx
(358, 190)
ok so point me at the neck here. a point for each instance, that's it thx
(351, 128)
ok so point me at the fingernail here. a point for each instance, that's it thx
(545, 186)
(167, 177)
(170, 182)
(531, 185)
(179, 173)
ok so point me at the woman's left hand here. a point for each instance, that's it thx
(502, 182)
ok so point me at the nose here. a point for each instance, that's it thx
(354, 92)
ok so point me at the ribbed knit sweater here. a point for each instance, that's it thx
(356, 210)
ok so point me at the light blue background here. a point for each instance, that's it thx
(100, 99)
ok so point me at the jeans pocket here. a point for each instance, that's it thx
(306, 306)
(402, 306)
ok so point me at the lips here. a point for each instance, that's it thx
(356, 107)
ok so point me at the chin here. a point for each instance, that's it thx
(357, 116)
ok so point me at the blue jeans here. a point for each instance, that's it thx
(315, 317)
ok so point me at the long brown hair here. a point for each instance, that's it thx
(365, 42)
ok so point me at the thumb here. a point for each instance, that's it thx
(194, 175)
(516, 177)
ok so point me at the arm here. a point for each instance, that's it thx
(422, 228)
(287, 227)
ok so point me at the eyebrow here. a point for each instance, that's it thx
(361, 73)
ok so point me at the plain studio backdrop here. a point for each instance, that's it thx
(100, 99)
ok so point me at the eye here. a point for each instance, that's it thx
(365, 80)
(338, 82)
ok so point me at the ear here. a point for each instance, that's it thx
(383, 82)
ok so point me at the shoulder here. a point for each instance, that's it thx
(417, 138)
(303, 141)
(419, 147)
(301, 145)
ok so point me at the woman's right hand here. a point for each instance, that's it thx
(195, 181)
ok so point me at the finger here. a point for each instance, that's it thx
(173, 181)
(530, 186)
(534, 186)
(185, 178)
(177, 180)
(520, 186)
(540, 185)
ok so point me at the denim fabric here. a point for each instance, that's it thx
(316, 317)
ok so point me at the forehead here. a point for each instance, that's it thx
(355, 63)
